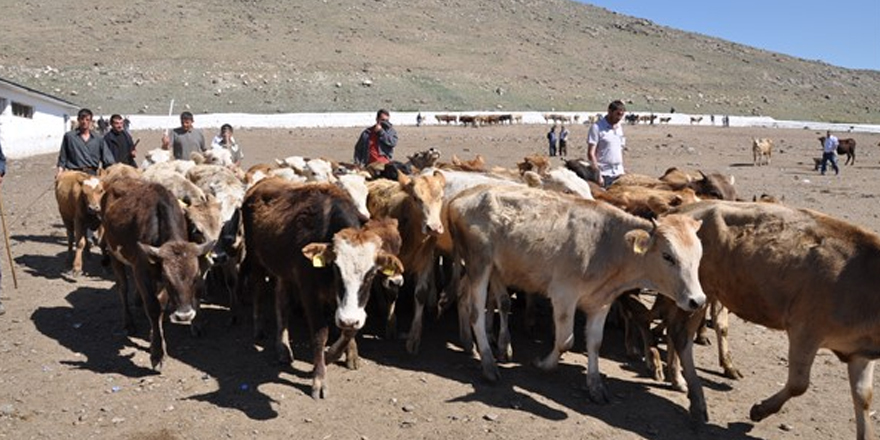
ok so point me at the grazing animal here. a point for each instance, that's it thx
(812, 275)
(844, 147)
(762, 149)
(312, 241)
(79, 203)
(590, 253)
(696, 119)
(145, 229)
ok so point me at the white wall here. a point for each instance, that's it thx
(22, 137)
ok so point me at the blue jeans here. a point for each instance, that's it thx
(832, 157)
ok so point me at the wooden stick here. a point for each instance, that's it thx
(8, 251)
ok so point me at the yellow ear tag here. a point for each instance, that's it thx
(318, 261)
(388, 272)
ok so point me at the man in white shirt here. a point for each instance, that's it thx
(605, 144)
(829, 152)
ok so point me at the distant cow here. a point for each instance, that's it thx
(762, 149)
(797, 270)
(78, 197)
(696, 119)
(311, 240)
(844, 146)
(590, 253)
(145, 229)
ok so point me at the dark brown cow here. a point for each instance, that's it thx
(844, 146)
(144, 228)
(310, 239)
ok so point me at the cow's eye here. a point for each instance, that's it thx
(669, 259)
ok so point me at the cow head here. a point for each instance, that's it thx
(179, 262)
(356, 186)
(427, 193)
(714, 186)
(92, 191)
(356, 256)
(670, 256)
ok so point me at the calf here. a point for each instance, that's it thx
(797, 270)
(144, 228)
(78, 196)
(590, 253)
(762, 149)
(311, 240)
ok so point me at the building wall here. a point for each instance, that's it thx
(22, 137)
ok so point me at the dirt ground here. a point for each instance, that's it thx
(67, 370)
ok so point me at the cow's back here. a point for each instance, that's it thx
(68, 194)
(135, 210)
(280, 218)
(780, 267)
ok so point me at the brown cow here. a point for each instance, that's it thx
(844, 146)
(144, 228)
(797, 270)
(310, 238)
(79, 196)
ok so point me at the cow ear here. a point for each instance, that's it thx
(389, 265)
(639, 240)
(151, 252)
(205, 247)
(320, 254)
(441, 177)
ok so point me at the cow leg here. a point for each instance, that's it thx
(122, 288)
(638, 316)
(345, 344)
(421, 298)
(564, 308)
(465, 335)
(721, 319)
(478, 291)
(861, 383)
(802, 351)
(502, 301)
(390, 294)
(310, 298)
(282, 335)
(594, 332)
(154, 310)
(681, 330)
(79, 236)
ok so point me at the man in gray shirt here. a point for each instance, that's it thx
(184, 140)
(82, 149)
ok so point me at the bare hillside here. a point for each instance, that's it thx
(337, 55)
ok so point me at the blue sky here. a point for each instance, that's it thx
(844, 33)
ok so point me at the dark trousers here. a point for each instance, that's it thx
(832, 157)
(563, 147)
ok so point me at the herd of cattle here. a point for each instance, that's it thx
(334, 237)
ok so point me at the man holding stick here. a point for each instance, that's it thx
(3, 173)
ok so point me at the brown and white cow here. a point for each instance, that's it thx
(589, 254)
(801, 271)
(762, 150)
(144, 228)
(311, 239)
(78, 196)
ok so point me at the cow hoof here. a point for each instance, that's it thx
(732, 373)
(596, 390)
(72, 274)
(412, 346)
(319, 390)
(490, 372)
(285, 355)
(505, 354)
(758, 413)
(702, 340)
(157, 364)
(352, 362)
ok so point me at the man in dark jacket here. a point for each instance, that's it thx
(377, 142)
(119, 142)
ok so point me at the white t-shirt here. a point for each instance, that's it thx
(831, 143)
(609, 142)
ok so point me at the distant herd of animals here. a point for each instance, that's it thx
(479, 120)
(335, 238)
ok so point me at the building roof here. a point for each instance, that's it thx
(28, 90)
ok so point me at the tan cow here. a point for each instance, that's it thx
(416, 203)
(798, 270)
(762, 149)
(589, 254)
(79, 198)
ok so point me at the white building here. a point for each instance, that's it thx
(32, 122)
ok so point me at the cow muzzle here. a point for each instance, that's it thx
(692, 302)
(183, 315)
(353, 320)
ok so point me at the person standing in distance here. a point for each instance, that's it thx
(829, 152)
(377, 142)
(184, 140)
(605, 144)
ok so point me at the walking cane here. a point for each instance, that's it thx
(6, 237)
